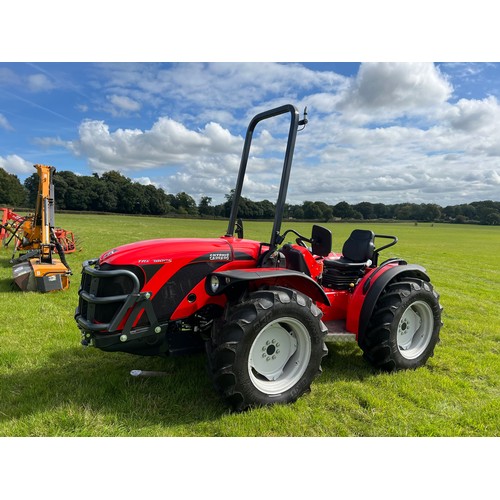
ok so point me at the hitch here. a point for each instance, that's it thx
(147, 373)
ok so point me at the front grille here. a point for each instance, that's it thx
(106, 293)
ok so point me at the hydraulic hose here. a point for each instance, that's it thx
(60, 251)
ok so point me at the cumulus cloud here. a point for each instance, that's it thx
(383, 91)
(167, 143)
(473, 115)
(145, 181)
(14, 164)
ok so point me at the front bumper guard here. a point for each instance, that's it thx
(135, 301)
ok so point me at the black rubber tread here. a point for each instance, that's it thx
(233, 337)
(379, 343)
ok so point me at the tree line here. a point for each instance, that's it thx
(114, 193)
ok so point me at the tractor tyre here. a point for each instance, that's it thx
(404, 328)
(269, 349)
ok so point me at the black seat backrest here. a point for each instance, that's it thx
(359, 246)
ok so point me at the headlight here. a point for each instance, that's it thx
(214, 283)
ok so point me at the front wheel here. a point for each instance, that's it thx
(269, 349)
(405, 325)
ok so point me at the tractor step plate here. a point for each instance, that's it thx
(337, 331)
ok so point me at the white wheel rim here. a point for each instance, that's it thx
(279, 356)
(415, 329)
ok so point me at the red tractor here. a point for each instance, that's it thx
(261, 310)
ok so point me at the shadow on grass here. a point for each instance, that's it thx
(5, 263)
(344, 362)
(8, 285)
(90, 393)
(77, 387)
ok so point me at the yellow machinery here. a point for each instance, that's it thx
(38, 270)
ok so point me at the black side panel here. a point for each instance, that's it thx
(172, 293)
(151, 269)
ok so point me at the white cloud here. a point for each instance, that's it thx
(167, 143)
(384, 91)
(14, 164)
(39, 83)
(145, 181)
(476, 116)
(492, 177)
(123, 104)
(52, 141)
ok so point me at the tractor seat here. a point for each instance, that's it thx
(357, 253)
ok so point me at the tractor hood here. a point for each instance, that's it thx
(167, 250)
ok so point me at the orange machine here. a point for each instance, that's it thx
(38, 270)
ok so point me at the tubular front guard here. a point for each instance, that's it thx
(128, 307)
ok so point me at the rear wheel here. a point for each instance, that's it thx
(269, 350)
(404, 328)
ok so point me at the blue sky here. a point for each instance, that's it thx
(380, 132)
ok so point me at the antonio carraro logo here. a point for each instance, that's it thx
(220, 256)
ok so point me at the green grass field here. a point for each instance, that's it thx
(51, 386)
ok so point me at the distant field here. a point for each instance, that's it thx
(51, 386)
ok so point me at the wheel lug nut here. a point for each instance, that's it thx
(274, 357)
(277, 344)
(267, 342)
(273, 341)
(277, 351)
(264, 348)
(268, 358)
(263, 354)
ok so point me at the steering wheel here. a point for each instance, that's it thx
(300, 241)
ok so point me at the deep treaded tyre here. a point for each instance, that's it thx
(404, 328)
(269, 349)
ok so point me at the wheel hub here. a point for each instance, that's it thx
(271, 351)
(279, 356)
(415, 329)
(408, 325)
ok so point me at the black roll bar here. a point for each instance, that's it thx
(287, 165)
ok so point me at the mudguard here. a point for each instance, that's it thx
(232, 281)
(374, 290)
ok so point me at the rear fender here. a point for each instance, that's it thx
(233, 283)
(375, 285)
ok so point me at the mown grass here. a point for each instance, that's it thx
(51, 386)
